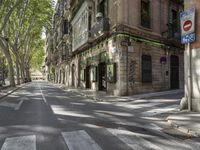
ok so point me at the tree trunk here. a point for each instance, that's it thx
(22, 73)
(4, 46)
(17, 70)
(28, 74)
(10, 68)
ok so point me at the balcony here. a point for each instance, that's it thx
(173, 32)
(100, 28)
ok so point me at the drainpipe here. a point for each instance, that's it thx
(127, 70)
(127, 91)
(160, 16)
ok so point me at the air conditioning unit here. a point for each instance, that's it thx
(99, 16)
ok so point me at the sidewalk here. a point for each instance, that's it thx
(187, 122)
(103, 96)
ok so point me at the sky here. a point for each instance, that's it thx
(55, 1)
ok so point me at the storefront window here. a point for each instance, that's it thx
(82, 75)
(111, 72)
(93, 74)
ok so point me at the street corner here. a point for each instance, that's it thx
(186, 122)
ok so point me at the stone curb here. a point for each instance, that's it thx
(185, 130)
(11, 91)
(131, 98)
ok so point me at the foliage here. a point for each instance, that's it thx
(38, 57)
(22, 22)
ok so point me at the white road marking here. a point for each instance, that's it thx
(6, 104)
(43, 97)
(160, 110)
(19, 105)
(80, 140)
(134, 140)
(15, 106)
(20, 143)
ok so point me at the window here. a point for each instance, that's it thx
(102, 7)
(146, 69)
(65, 27)
(145, 14)
(174, 18)
(111, 72)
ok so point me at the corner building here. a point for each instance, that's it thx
(123, 47)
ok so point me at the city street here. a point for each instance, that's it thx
(40, 116)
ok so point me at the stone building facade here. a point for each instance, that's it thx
(122, 47)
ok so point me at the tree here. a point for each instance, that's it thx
(23, 27)
(6, 9)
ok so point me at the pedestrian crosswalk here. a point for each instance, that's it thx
(82, 140)
(133, 140)
(20, 143)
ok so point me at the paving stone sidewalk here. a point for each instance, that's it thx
(103, 96)
(187, 122)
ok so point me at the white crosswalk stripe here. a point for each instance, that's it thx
(133, 140)
(80, 140)
(20, 143)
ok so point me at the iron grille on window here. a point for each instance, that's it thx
(146, 69)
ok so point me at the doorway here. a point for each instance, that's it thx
(87, 77)
(102, 77)
(174, 69)
(73, 74)
(63, 77)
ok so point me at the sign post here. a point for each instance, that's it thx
(188, 36)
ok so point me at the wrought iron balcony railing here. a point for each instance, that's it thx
(173, 32)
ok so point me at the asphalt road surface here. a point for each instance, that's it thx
(40, 116)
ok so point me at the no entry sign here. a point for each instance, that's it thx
(188, 26)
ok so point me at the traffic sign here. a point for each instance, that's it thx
(188, 26)
(188, 38)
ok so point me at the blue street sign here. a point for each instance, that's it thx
(188, 38)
